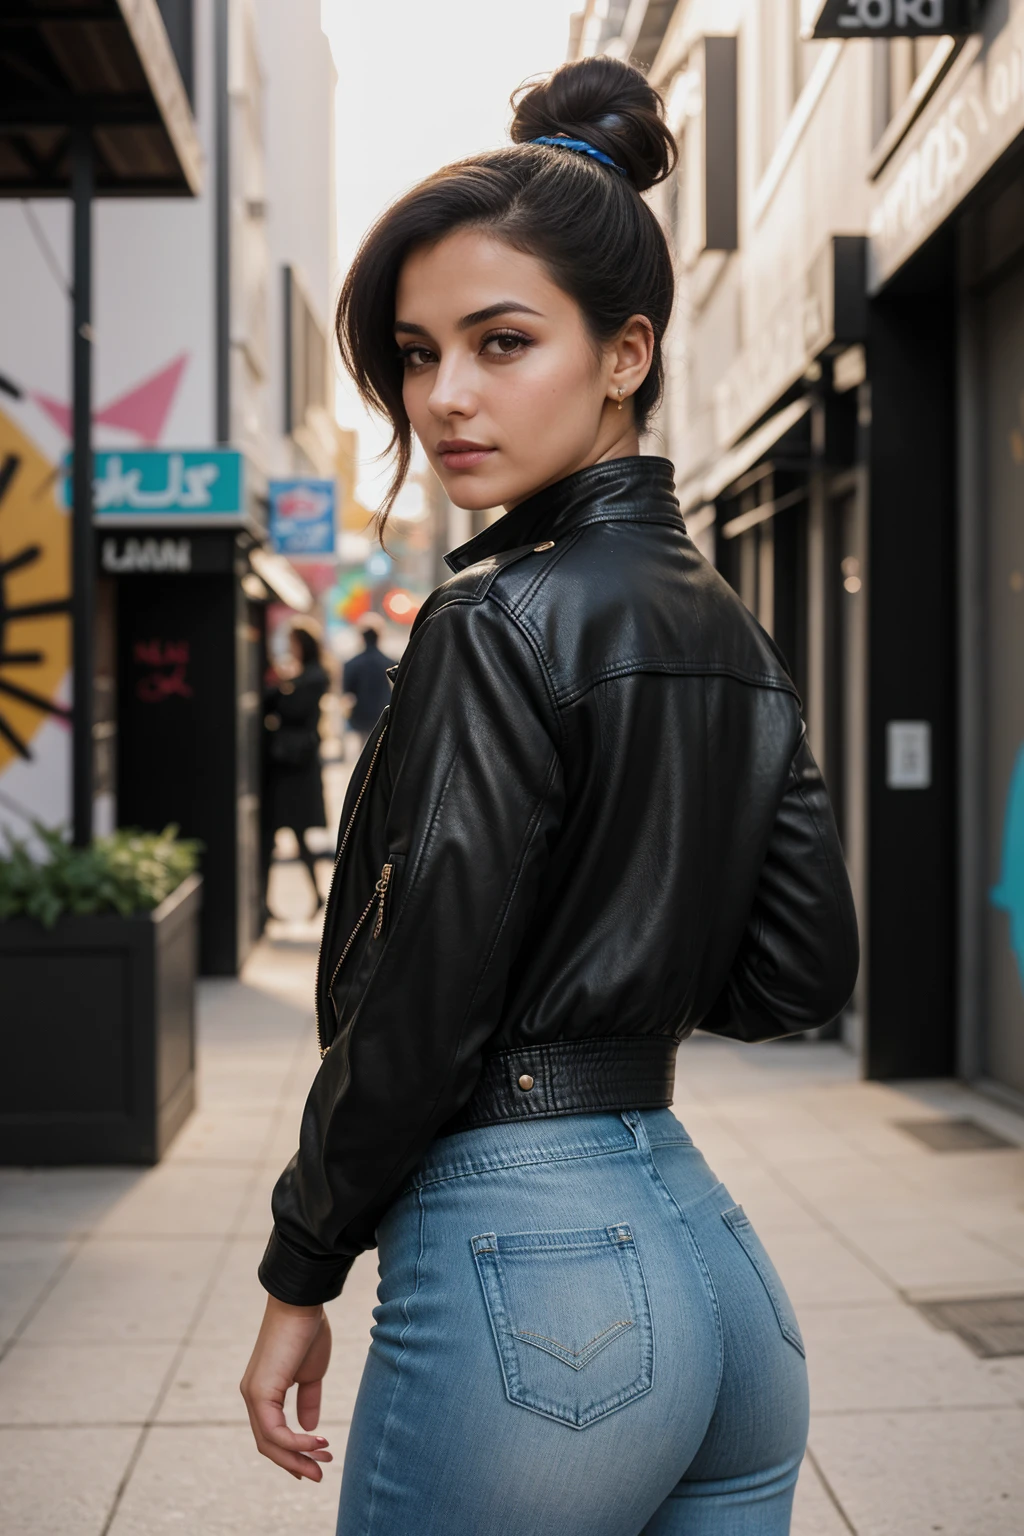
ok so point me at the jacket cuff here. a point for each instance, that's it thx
(299, 1280)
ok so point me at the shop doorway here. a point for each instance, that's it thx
(1003, 774)
(845, 670)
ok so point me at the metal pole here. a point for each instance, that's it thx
(82, 570)
(222, 219)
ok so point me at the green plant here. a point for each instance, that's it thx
(128, 871)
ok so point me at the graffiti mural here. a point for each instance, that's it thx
(34, 604)
(1008, 895)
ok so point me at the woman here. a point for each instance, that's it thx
(588, 823)
(293, 791)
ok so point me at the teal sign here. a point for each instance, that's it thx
(1009, 893)
(168, 485)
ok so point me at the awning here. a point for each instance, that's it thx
(282, 578)
(104, 64)
(747, 453)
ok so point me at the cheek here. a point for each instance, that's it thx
(414, 398)
(547, 391)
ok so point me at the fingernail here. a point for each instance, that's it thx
(320, 1440)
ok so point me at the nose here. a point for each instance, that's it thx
(453, 393)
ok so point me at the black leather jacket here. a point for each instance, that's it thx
(589, 823)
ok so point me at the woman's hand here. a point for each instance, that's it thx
(294, 1345)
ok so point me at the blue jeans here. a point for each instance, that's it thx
(578, 1334)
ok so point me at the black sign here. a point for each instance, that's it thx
(889, 18)
(166, 553)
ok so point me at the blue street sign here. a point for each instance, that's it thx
(175, 485)
(302, 518)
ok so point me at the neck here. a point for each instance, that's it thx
(617, 442)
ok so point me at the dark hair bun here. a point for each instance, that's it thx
(607, 103)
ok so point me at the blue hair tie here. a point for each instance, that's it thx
(581, 147)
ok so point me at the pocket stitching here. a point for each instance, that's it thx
(576, 1359)
(488, 1268)
(737, 1220)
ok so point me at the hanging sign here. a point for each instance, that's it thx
(302, 518)
(974, 117)
(197, 488)
(888, 18)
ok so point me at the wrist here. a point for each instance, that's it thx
(278, 1308)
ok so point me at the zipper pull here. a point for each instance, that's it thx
(382, 891)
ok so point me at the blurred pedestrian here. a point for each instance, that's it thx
(365, 684)
(597, 826)
(293, 792)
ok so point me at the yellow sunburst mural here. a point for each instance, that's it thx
(35, 633)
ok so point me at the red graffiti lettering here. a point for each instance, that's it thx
(155, 687)
(161, 653)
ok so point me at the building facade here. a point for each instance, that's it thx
(845, 410)
(210, 333)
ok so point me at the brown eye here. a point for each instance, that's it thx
(505, 344)
(416, 357)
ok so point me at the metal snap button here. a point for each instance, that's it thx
(539, 549)
(526, 1082)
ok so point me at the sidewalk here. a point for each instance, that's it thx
(129, 1300)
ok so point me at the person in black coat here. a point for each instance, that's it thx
(293, 792)
(365, 680)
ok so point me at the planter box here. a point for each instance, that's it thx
(97, 1034)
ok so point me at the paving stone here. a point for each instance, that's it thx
(234, 1308)
(212, 1480)
(814, 1513)
(82, 1384)
(960, 1472)
(26, 1266)
(204, 1388)
(886, 1356)
(61, 1482)
(255, 1219)
(179, 1200)
(60, 1202)
(912, 1432)
(212, 1136)
(128, 1290)
(770, 1206)
(919, 1252)
(817, 1270)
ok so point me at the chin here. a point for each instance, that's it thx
(474, 495)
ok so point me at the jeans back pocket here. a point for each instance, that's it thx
(571, 1320)
(738, 1222)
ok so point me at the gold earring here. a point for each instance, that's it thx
(619, 406)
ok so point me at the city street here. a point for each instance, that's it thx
(649, 375)
(130, 1299)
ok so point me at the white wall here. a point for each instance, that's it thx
(301, 224)
(154, 300)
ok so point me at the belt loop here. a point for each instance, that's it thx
(634, 1121)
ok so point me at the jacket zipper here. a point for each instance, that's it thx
(377, 900)
(381, 894)
(341, 849)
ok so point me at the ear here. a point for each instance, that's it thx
(629, 358)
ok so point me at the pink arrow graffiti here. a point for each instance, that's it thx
(143, 410)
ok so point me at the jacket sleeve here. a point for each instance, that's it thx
(797, 962)
(475, 797)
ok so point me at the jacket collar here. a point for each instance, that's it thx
(636, 489)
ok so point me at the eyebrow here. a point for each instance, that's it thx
(478, 316)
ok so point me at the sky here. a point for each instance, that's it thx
(420, 85)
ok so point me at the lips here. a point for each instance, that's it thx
(459, 453)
